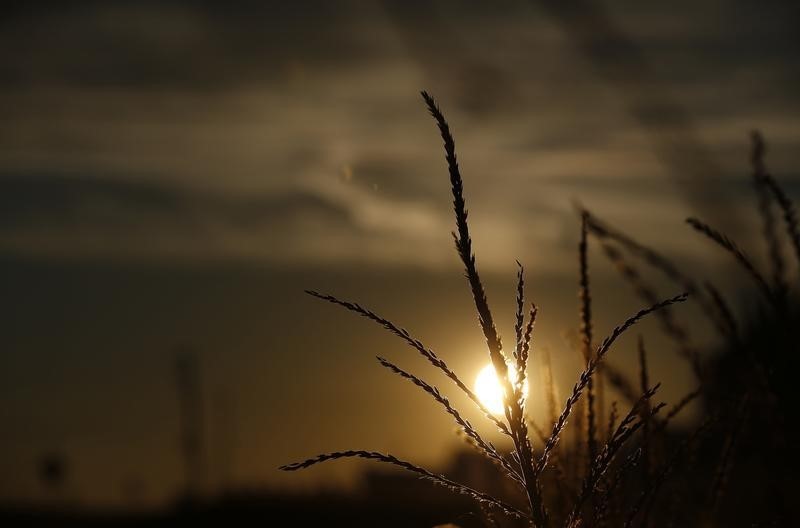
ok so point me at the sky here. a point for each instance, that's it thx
(174, 174)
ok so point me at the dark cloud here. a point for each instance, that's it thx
(186, 45)
(196, 45)
(65, 201)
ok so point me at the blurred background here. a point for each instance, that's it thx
(174, 174)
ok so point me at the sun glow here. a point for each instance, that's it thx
(489, 390)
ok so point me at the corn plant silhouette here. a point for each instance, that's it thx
(524, 465)
(748, 383)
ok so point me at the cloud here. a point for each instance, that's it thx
(67, 216)
(188, 130)
(181, 44)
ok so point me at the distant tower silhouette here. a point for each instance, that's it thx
(224, 438)
(53, 471)
(190, 400)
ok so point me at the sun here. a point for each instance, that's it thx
(489, 390)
